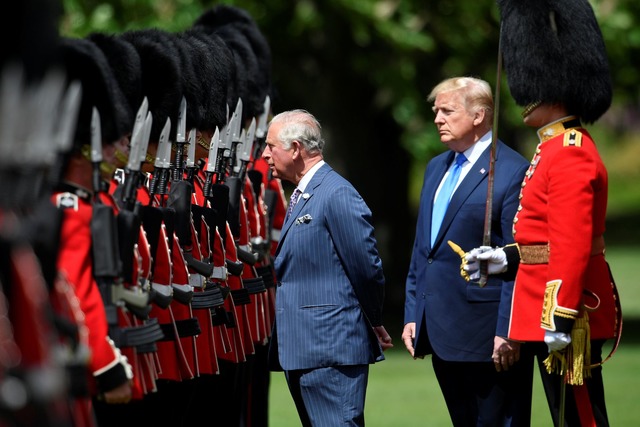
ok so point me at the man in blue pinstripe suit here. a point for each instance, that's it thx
(330, 291)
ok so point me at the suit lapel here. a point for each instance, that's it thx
(305, 197)
(478, 173)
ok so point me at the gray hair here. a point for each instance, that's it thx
(299, 125)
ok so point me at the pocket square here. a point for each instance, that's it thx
(304, 219)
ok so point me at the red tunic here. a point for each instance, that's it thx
(75, 262)
(563, 204)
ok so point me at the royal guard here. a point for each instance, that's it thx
(74, 195)
(565, 303)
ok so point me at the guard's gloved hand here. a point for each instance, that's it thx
(556, 341)
(495, 257)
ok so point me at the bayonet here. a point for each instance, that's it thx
(163, 162)
(96, 149)
(63, 137)
(244, 149)
(148, 122)
(132, 172)
(137, 136)
(235, 135)
(261, 128)
(191, 150)
(190, 164)
(212, 162)
(180, 141)
(182, 122)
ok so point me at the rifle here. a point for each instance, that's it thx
(108, 253)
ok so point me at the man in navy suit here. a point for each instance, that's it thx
(330, 290)
(461, 324)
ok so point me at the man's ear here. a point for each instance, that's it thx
(295, 148)
(478, 116)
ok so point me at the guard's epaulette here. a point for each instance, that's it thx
(572, 138)
(67, 201)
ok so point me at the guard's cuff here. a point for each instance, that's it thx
(555, 317)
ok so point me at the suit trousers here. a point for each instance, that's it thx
(329, 396)
(477, 395)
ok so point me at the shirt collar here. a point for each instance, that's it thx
(302, 185)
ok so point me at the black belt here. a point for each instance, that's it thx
(266, 273)
(220, 316)
(186, 328)
(209, 298)
(142, 337)
(240, 296)
(254, 286)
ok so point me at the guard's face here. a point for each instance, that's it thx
(455, 124)
(279, 159)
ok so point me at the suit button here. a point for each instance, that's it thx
(430, 260)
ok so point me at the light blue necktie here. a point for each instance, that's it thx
(442, 200)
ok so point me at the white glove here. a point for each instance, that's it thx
(556, 341)
(495, 257)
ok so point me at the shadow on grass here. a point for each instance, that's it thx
(631, 331)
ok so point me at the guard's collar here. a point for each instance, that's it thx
(558, 127)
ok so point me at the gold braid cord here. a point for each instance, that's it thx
(457, 249)
(574, 362)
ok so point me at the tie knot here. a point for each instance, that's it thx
(460, 159)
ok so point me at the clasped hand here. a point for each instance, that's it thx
(495, 257)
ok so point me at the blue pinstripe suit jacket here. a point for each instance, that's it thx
(330, 280)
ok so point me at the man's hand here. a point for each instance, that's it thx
(120, 394)
(383, 337)
(505, 353)
(408, 335)
(556, 341)
(495, 257)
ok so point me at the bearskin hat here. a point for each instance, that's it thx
(553, 52)
(125, 63)
(213, 65)
(251, 53)
(161, 76)
(85, 62)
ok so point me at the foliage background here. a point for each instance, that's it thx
(364, 68)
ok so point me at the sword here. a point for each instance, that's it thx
(486, 237)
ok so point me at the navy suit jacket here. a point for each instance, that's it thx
(462, 318)
(330, 286)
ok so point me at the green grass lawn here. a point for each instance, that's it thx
(404, 392)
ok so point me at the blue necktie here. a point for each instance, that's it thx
(442, 200)
(292, 202)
